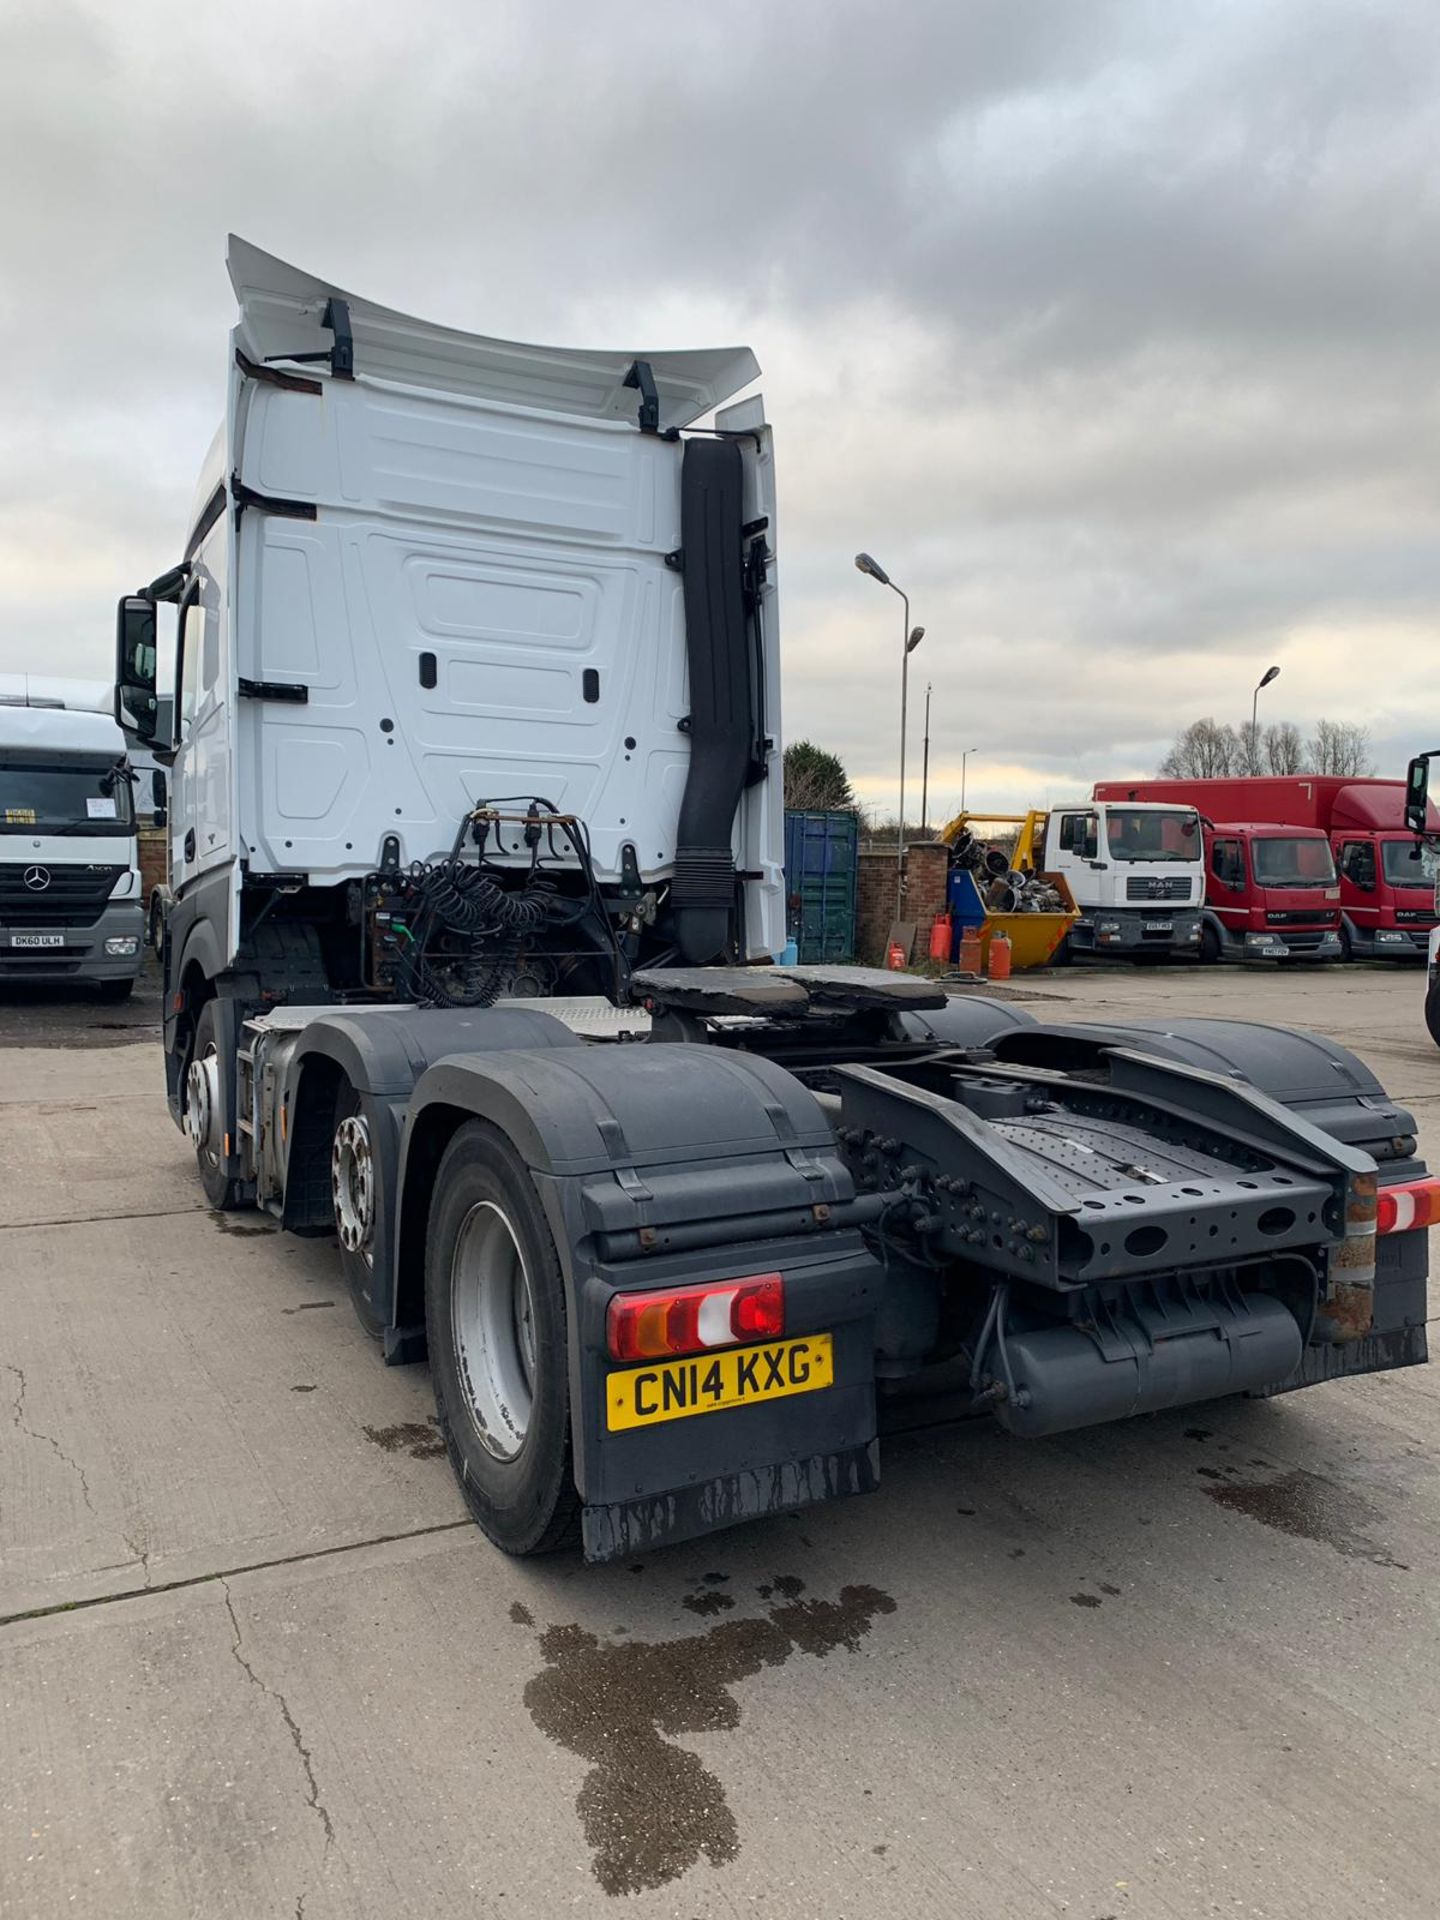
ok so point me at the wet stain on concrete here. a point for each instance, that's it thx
(1105, 1587)
(707, 1601)
(243, 1229)
(308, 1306)
(421, 1443)
(521, 1614)
(652, 1809)
(303, 1389)
(1308, 1507)
(1199, 1433)
(1085, 1600)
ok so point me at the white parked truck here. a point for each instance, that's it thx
(70, 909)
(1137, 872)
(476, 877)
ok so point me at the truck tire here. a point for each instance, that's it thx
(1432, 1012)
(495, 1323)
(354, 1193)
(205, 1083)
(1209, 945)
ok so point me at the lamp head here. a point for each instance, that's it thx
(1271, 673)
(917, 634)
(876, 572)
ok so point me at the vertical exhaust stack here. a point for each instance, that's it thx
(721, 666)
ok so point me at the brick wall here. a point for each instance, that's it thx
(926, 864)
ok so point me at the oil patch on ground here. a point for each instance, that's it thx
(1308, 1507)
(651, 1809)
(421, 1443)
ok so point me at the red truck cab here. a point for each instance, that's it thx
(1271, 893)
(1387, 878)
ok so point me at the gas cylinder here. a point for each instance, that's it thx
(895, 957)
(940, 938)
(970, 945)
(999, 968)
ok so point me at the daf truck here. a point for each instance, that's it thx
(70, 908)
(476, 814)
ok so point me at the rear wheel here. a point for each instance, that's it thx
(353, 1192)
(495, 1323)
(1209, 945)
(205, 1106)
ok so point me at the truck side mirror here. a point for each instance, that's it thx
(1091, 848)
(136, 657)
(157, 797)
(1417, 784)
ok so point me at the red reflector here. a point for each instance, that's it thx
(1414, 1203)
(655, 1326)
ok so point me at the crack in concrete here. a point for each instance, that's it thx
(19, 1421)
(312, 1796)
(223, 1573)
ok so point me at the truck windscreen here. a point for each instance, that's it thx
(1138, 834)
(1292, 863)
(1411, 863)
(47, 796)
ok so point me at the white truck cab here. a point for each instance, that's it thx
(70, 906)
(1137, 872)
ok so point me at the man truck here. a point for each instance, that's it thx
(70, 910)
(1386, 876)
(1134, 871)
(478, 881)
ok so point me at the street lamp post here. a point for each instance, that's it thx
(1270, 673)
(964, 758)
(912, 637)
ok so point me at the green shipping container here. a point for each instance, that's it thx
(822, 853)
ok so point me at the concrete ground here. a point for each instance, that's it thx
(254, 1661)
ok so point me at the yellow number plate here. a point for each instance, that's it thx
(674, 1389)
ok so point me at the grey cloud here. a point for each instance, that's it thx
(1110, 327)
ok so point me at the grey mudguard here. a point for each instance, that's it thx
(966, 1020)
(662, 1166)
(1305, 1072)
(383, 1052)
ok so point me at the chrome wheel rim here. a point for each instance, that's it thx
(202, 1105)
(352, 1187)
(492, 1321)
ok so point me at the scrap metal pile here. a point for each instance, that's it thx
(1003, 888)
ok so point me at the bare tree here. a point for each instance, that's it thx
(1339, 746)
(1204, 750)
(1250, 737)
(1284, 749)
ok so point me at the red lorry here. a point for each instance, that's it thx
(1387, 878)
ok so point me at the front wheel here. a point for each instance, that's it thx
(205, 1105)
(495, 1323)
(1432, 1012)
(1347, 945)
(115, 990)
(1209, 945)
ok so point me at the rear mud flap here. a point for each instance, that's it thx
(635, 1526)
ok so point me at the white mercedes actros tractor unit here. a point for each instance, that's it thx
(70, 908)
(476, 885)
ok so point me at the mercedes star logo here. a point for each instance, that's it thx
(37, 878)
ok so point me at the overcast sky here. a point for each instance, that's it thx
(1109, 327)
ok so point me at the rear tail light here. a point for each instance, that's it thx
(658, 1326)
(1415, 1203)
